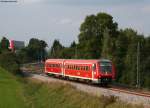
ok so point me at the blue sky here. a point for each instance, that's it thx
(61, 19)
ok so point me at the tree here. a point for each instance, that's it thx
(120, 54)
(4, 43)
(56, 49)
(106, 50)
(10, 62)
(36, 49)
(23, 55)
(92, 34)
(145, 61)
(129, 73)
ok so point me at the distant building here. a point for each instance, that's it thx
(16, 45)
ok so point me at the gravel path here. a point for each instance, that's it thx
(99, 91)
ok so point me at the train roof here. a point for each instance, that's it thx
(55, 60)
(78, 60)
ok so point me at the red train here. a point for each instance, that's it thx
(96, 71)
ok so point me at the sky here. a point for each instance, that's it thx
(61, 19)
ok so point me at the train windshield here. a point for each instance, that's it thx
(106, 67)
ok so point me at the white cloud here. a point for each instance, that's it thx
(65, 21)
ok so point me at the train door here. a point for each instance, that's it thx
(93, 70)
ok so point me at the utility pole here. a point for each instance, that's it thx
(76, 56)
(138, 63)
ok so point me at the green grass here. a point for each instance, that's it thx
(58, 95)
(28, 93)
(10, 91)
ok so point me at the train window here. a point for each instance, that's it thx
(75, 67)
(79, 67)
(65, 66)
(82, 67)
(87, 68)
(52, 65)
(106, 67)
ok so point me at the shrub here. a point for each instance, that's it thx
(9, 61)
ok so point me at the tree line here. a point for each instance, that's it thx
(99, 37)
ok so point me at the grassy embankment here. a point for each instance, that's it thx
(29, 93)
(11, 93)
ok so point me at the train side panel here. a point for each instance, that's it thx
(78, 71)
(54, 67)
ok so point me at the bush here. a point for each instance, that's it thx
(9, 61)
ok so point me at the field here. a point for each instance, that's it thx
(28, 93)
(11, 93)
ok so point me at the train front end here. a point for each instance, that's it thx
(106, 71)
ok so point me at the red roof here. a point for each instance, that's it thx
(81, 61)
(76, 60)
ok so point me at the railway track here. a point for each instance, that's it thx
(124, 94)
(111, 87)
(130, 92)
